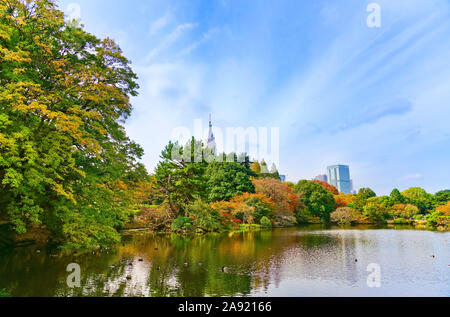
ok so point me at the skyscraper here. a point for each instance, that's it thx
(339, 176)
(322, 178)
(211, 139)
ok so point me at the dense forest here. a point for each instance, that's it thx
(68, 169)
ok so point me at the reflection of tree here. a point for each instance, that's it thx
(229, 264)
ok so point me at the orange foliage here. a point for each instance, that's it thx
(327, 187)
(445, 209)
(342, 200)
(238, 204)
(282, 196)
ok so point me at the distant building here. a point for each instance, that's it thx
(283, 178)
(211, 143)
(339, 177)
(323, 178)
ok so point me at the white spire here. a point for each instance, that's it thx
(211, 139)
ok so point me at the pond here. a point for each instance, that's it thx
(303, 261)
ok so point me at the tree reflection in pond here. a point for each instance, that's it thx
(282, 262)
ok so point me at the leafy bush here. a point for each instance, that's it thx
(181, 224)
(438, 219)
(247, 208)
(344, 215)
(5, 293)
(402, 221)
(204, 217)
(404, 211)
(265, 222)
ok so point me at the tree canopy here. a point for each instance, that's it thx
(65, 158)
(317, 200)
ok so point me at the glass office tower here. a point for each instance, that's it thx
(339, 176)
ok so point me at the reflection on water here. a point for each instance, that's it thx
(307, 261)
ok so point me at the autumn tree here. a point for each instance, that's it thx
(328, 187)
(282, 195)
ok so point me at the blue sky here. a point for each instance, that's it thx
(377, 99)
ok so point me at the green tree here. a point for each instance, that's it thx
(374, 211)
(442, 197)
(361, 198)
(226, 180)
(318, 201)
(180, 175)
(419, 197)
(65, 160)
(396, 197)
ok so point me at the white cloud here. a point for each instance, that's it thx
(411, 177)
(205, 37)
(160, 23)
(167, 42)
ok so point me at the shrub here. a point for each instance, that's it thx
(418, 217)
(402, 221)
(438, 219)
(248, 208)
(204, 217)
(182, 223)
(4, 293)
(344, 215)
(265, 222)
(404, 211)
(225, 210)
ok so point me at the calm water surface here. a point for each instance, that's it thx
(307, 261)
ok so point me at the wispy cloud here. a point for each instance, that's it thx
(411, 177)
(169, 40)
(160, 23)
(375, 112)
(205, 37)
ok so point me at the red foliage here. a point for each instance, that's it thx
(282, 195)
(342, 200)
(327, 187)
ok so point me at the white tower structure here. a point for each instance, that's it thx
(211, 139)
